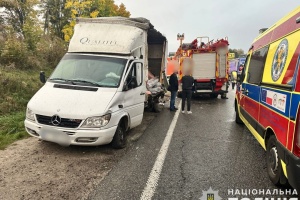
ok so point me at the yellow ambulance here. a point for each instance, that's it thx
(268, 97)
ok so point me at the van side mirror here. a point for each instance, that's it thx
(298, 20)
(42, 77)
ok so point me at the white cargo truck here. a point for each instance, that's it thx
(98, 90)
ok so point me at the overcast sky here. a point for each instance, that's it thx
(240, 20)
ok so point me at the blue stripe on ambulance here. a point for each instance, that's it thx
(257, 93)
(253, 91)
(294, 105)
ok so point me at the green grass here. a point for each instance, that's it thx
(16, 89)
(12, 128)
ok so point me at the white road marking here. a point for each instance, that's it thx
(159, 162)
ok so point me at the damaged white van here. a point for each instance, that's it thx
(97, 92)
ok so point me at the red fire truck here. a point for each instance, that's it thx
(210, 69)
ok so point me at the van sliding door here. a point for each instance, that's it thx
(251, 88)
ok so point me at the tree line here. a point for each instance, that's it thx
(238, 52)
(33, 31)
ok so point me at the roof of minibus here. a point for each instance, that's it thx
(282, 27)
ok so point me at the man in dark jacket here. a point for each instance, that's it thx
(187, 91)
(173, 88)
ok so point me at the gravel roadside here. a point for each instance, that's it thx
(32, 169)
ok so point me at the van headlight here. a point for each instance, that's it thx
(30, 115)
(96, 122)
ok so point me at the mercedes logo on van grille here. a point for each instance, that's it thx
(55, 120)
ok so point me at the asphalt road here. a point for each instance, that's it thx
(208, 149)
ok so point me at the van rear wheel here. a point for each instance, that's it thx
(274, 166)
(119, 140)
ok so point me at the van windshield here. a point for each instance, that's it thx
(89, 70)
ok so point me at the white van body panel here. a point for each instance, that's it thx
(68, 103)
(109, 38)
(69, 136)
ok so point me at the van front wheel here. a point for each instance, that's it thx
(119, 140)
(237, 116)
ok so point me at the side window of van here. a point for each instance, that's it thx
(256, 65)
(137, 72)
(241, 75)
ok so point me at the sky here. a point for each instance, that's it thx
(239, 20)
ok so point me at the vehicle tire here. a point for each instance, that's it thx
(119, 140)
(274, 167)
(238, 119)
(213, 96)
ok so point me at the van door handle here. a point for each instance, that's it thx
(142, 93)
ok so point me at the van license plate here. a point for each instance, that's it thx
(54, 135)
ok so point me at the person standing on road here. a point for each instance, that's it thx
(173, 88)
(187, 91)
